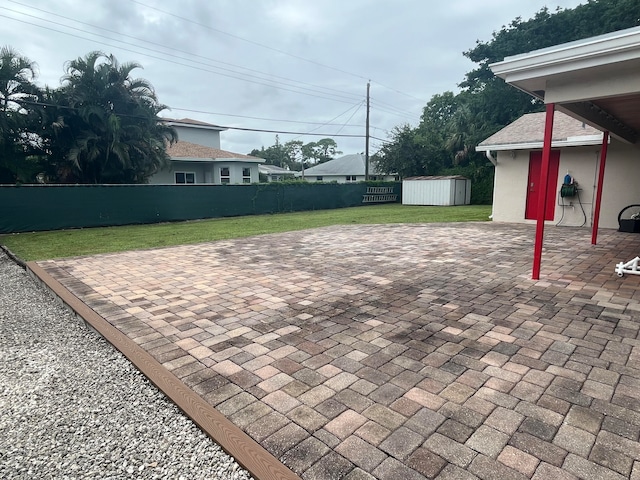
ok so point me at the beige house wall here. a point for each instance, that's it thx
(621, 184)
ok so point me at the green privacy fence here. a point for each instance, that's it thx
(52, 207)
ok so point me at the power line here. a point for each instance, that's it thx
(262, 45)
(237, 37)
(390, 112)
(228, 127)
(345, 123)
(266, 119)
(168, 47)
(401, 93)
(393, 107)
(357, 106)
(173, 62)
(388, 109)
(293, 133)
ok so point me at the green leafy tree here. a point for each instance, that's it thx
(406, 154)
(293, 149)
(323, 150)
(294, 153)
(273, 155)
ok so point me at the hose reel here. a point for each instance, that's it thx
(569, 190)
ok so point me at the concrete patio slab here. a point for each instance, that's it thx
(396, 351)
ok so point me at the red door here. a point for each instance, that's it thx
(533, 190)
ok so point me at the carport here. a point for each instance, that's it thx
(595, 80)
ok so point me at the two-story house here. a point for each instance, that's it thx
(197, 158)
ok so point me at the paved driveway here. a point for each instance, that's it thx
(399, 351)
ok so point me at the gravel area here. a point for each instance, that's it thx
(74, 407)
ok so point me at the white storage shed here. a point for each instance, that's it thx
(450, 190)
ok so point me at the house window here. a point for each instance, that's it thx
(351, 178)
(318, 179)
(185, 177)
(225, 176)
(246, 175)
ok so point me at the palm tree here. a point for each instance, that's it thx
(17, 74)
(113, 121)
(464, 134)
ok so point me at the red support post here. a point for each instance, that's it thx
(596, 209)
(542, 199)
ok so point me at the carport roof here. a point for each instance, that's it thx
(596, 80)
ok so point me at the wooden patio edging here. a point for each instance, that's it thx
(246, 451)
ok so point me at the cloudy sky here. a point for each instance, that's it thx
(283, 65)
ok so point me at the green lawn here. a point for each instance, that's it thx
(68, 243)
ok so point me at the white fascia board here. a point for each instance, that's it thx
(241, 160)
(606, 49)
(191, 159)
(193, 125)
(583, 141)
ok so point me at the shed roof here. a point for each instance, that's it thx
(438, 177)
(528, 132)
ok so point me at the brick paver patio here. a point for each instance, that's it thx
(400, 351)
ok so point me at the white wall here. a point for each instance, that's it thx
(199, 136)
(436, 192)
(620, 184)
(235, 172)
(206, 172)
(621, 181)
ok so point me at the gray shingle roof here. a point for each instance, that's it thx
(191, 150)
(346, 165)
(529, 128)
(275, 170)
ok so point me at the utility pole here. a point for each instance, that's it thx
(366, 138)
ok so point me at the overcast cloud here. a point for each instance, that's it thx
(223, 56)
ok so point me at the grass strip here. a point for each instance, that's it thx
(90, 241)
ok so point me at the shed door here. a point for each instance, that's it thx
(461, 192)
(533, 190)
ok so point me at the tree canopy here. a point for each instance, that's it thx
(295, 153)
(100, 125)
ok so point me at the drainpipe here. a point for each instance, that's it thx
(494, 161)
(491, 158)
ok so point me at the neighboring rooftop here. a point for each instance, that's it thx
(192, 151)
(528, 132)
(275, 170)
(189, 122)
(346, 165)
